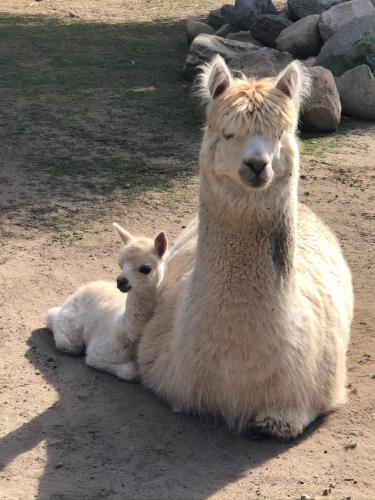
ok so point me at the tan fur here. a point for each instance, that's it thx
(103, 321)
(254, 324)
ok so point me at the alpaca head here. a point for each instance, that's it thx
(141, 261)
(250, 124)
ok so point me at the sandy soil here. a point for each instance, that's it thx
(70, 432)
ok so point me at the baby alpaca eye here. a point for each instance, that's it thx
(228, 136)
(145, 269)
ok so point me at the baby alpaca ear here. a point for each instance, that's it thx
(214, 79)
(294, 81)
(125, 236)
(161, 244)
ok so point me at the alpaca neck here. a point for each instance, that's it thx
(248, 244)
(138, 311)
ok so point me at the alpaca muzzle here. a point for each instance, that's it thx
(123, 284)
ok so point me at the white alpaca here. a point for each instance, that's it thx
(256, 323)
(100, 319)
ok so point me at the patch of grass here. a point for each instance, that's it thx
(332, 143)
(95, 112)
(350, 444)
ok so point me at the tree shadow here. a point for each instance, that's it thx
(105, 438)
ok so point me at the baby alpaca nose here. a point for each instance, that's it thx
(123, 284)
(256, 165)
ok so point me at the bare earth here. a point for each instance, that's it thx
(70, 432)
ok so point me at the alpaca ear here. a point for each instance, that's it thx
(294, 81)
(161, 244)
(125, 236)
(214, 79)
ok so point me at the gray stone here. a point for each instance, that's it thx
(244, 36)
(244, 11)
(302, 39)
(261, 63)
(333, 18)
(267, 28)
(363, 8)
(225, 30)
(301, 8)
(309, 62)
(357, 92)
(322, 111)
(195, 28)
(204, 47)
(339, 53)
(215, 19)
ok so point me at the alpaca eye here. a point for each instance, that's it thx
(228, 136)
(145, 269)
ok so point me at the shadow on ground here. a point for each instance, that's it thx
(122, 441)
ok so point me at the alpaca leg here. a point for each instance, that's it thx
(282, 424)
(66, 332)
(126, 371)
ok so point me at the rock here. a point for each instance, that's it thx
(215, 19)
(266, 28)
(255, 7)
(309, 62)
(261, 63)
(195, 28)
(301, 8)
(244, 11)
(357, 92)
(244, 36)
(333, 18)
(225, 30)
(322, 111)
(302, 39)
(339, 53)
(204, 47)
(363, 8)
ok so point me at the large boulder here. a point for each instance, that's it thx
(204, 47)
(244, 11)
(322, 111)
(302, 39)
(215, 19)
(363, 8)
(339, 53)
(261, 63)
(333, 18)
(357, 92)
(298, 9)
(195, 28)
(243, 36)
(267, 27)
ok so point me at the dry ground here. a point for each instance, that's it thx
(97, 124)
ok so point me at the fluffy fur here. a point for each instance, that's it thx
(98, 317)
(253, 323)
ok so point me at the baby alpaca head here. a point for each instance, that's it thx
(248, 122)
(141, 261)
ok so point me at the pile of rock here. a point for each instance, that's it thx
(253, 37)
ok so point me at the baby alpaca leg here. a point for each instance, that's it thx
(66, 332)
(126, 371)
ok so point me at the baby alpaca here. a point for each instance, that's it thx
(100, 319)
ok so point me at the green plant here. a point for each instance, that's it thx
(365, 48)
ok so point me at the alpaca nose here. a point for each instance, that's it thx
(256, 165)
(123, 284)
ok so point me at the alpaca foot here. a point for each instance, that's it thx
(127, 372)
(63, 344)
(277, 425)
(124, 371)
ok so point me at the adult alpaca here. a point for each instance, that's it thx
(256, 326)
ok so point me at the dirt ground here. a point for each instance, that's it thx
(83, 146)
